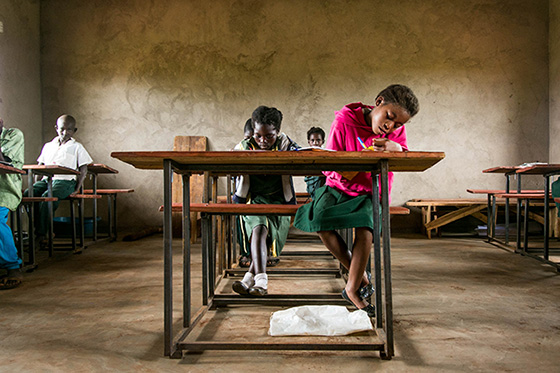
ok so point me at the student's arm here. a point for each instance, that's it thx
(81, 178)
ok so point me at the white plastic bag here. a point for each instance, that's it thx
(318, 320)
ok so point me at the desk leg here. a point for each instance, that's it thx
(377, 252)
(507, 211)
(389, 348)
(51, 218)
(518, 223)
(94, 181)
(186, 251)
(167, 259)
(526, 227)
(489, 214)
(546, 215)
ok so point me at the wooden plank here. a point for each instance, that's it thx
(109, 191)
(454, 215)
(483, 218)
(279, 162)
(258, 209)
(188, 143)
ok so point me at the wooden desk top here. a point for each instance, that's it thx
(99, 168)
(50, 170)
(539, 169)
(501, 170)
(287, 162)
(5, 169)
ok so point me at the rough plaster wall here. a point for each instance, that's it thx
(554, 48)
(137, 73)
(20, 84)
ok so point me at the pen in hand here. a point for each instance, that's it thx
(362, 143)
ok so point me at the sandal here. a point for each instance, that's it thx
(244, 262)
(366, 291)
(272, 261)
(12, 280)
(369, 309)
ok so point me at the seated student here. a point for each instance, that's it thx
(344, 203)
(264, 232)
(63, 150)
(315, 138)
(12, 152)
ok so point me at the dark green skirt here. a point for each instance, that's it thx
(332, 210)
(278, 227)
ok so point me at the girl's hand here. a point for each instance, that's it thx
(383, 144)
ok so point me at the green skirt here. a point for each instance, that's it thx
(331, 210)
(278, 227)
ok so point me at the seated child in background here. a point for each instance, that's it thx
(11, 151)
(264, 232)
(63, 150)
(247, 133)
(344, 203)
(315, 138)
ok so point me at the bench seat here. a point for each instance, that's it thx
(256, 209)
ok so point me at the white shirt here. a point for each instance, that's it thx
(71, 154)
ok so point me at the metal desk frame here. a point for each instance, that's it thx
(296, 164)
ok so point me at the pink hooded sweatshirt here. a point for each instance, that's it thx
(348, 125)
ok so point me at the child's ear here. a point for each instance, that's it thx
(379, 101)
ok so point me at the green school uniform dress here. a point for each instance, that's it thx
(265, 189)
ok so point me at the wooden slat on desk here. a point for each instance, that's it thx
(5, 169)
(539, 169)
(398, 161)
(99, 168)
(50, 169)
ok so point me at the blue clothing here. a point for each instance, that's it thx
(8, 252)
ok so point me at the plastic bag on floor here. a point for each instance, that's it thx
(318, 320)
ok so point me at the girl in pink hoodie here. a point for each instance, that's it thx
(346, 203)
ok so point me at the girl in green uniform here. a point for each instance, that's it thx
(264, 232)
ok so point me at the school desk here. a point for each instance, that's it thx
(49, 171)
(547, 171)
(293, 163)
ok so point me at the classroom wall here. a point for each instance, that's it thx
(554, 50)
(20, 83)
(138, 73)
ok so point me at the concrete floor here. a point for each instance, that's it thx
(459, 305)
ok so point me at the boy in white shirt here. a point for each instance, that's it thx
(63, 150)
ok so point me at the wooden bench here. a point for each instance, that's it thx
(491, 223)
(111, 208)
(232, 209)
(256, 209)
(527, 198)
(465, 207)
(31, 264)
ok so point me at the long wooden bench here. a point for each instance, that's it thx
(230, 209)
(256, 209)
(465, 207)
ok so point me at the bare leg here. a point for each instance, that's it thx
(338, 248)
(258, 250)
(360, 256)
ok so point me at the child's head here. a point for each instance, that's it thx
(266, 126)
(315, 136)
(394, 106)
(248, 129)
(65, 127)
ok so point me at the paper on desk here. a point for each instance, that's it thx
(318, 320)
